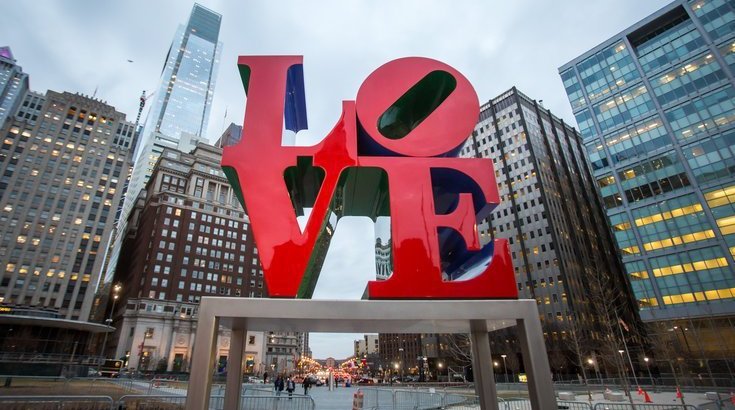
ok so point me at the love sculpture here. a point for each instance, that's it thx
(392, 153)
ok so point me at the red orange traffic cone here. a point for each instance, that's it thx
(732, 397)
(646, 397)
(678, 393)
(640, 391)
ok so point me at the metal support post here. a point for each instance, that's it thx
(233, 384)
(533, 348)
(203, 354)
(481, 365)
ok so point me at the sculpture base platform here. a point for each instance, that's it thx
(476, 317)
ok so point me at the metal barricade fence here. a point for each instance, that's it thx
(151, 402)
(638, 406)
(376, 398)
(456, 401)
(248, 402)
(573, 405)
(167, 386)
(721, 404)
(283, 402)
(416, 399)
(56, 402)
(515, 403)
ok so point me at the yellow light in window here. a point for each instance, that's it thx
(78, 221)
(35, 241)
(8, 208)
(631, 250)
(724, 293)
(10, 267)
(21, 239)
(639, 275)
(622, 226)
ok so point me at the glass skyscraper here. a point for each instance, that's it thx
(179, 115)
(655, 106)
(13, 84)
(184, 96)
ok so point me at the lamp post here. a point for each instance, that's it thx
(115, 295)
(648, 367)
(592, 363)
(439, 371)
(143, 352)
(505, 368)
(400, 352)
(496, 365)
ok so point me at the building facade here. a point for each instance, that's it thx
(655, 106)
(369, 344)
(188, 237)
(181, 106)
(64, 158)
(562, 250)
(283, 352)
(13, 85)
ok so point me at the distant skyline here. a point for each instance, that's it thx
(118, 49)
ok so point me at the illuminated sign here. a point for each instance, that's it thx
(392, 153)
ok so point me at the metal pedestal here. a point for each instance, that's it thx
(476, 317)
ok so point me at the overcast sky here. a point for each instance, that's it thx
(80, 46)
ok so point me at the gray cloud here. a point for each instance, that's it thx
(81, 45)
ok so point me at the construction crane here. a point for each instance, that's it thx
(143, 99)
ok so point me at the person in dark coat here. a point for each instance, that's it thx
(279, 385)
(306, 385)
(290, 387)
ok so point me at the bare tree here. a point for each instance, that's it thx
(606, 301)
(458, 348)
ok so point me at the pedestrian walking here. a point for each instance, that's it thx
(290, 387)
(279, 386)
(306, 384)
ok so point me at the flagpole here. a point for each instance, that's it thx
(625, 345)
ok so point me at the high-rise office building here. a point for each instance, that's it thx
(62, 175)
(188, 237)
(180, 109)
(13, 84)
(562, 250)
(655, 106)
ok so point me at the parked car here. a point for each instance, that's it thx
(253, 379)
(365, 380)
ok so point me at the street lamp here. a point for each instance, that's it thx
(400, 351)
(115, 295)
(439, 371)
(505, 368)
(592, 363)
(653, 383)
(625, 375)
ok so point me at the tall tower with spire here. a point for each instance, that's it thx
(180, 112)
(13, 84)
